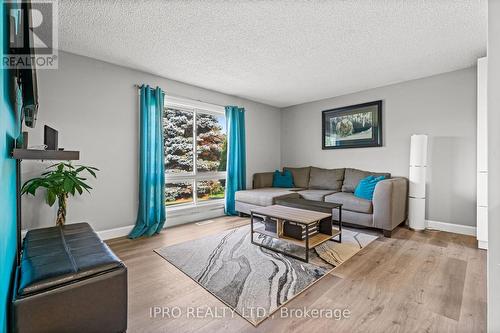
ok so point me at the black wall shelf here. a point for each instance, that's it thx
(34, 154)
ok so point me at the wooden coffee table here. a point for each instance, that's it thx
(303, 217)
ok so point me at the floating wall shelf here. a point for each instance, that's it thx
(34, 154)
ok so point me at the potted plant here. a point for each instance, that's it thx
(61, 180)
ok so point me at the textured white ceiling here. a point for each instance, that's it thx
(279, 52)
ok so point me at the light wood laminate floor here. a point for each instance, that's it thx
(413, 282)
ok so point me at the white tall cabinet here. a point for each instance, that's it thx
(482, 153)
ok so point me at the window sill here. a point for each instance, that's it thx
(193, 213)
(189, 208)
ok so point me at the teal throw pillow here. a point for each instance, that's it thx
(366, 187)
(284, 179)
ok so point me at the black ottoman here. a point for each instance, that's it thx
(69, 281)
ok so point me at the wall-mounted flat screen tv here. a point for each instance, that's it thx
(20, 43)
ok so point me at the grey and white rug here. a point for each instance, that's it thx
(253, 281)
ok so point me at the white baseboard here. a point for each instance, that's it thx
(115, 232)
(173, 218)
(437, 225)
(450, 227)
(482, 245)
(171, 221)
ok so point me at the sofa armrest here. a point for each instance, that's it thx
(390, 203)
(262, 179)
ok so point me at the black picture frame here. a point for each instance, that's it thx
(363, 135)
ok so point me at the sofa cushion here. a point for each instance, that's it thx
(326, 179)
(350, 202)
(316, 195)
(264, 196)
(365, 220)
(262, 179)
(353, 176)
(300, 176)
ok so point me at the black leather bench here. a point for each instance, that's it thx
(69, 281)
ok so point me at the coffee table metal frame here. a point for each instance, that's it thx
(306, 258)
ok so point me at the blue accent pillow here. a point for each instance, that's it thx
(284, 179)
(366, 187)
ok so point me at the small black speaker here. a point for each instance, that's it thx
(25, 140)
(50, 137)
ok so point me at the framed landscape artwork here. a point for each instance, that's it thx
(353, 126)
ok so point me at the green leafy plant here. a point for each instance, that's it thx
(61, 180)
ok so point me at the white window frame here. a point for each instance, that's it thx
(195, 107)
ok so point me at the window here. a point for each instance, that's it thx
(195, 152)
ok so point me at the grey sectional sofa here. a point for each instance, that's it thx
(386, 211)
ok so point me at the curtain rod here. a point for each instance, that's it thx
(138, 86)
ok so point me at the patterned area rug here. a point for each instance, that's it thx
(247, 277)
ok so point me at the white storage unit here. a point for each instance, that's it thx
(418, 170)
(482, 153)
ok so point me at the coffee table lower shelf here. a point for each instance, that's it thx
(314, 240)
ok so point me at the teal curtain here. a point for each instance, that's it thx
(236, 155)
(151, 213)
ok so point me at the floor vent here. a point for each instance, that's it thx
(205, 222)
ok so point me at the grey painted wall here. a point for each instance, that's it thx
(442, 106)
(94, 105)
(493, 166)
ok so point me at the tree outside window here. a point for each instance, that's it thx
(192, 180)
